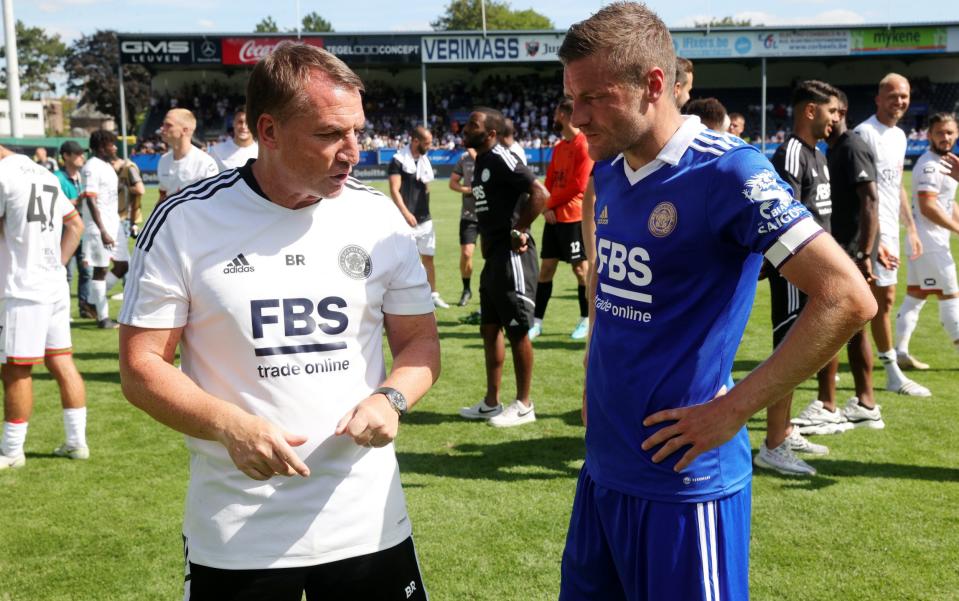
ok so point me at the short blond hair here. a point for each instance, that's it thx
(184, 117)
(633, 37)
(277, 85)
(891, 79)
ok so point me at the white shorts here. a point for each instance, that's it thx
(886, 277)
(121, 250)
(934, 270)
(97, 255)
(425, 238)
(30, 331)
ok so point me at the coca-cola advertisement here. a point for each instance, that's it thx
(248, 51)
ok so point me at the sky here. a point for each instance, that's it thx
(73, 18)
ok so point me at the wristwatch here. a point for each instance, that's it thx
(859, 256)
(395, 397)
(516, 234)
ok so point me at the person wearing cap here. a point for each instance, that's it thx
(73, 157)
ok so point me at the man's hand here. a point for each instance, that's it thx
(520, 244)
(550, 216)
(915, 245)
(886, 258)
(261, 450)
(372, 423)
(865, 268)
(107, 239)
(702, 427)
(410, 218)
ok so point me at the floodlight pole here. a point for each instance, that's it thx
(483, 11)
(123, 111)
(298, 21)
(762, 110)
(13, 67)
(423, 81)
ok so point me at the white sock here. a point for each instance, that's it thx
(14, 436)
(111, 281)
(906, 321)
(893, 373)
(98, 298)
(949, 316)
(75, 427)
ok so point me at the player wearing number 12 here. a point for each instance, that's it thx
(41, 231)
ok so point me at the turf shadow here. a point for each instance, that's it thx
(515, 460)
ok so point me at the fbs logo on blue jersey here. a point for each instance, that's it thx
(776, 206)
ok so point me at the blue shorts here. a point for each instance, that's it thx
(621, 547)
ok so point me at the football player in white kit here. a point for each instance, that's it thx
(888, 144)
(933, 273)
(277, 281)
(184, 163)
(40, 232)
(239, 149)
(106, 238)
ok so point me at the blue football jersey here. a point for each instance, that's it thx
(679, 247)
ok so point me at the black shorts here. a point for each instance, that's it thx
(564, 241)
(786, 301)
(508, 288)
(469, 231)
(387, 575)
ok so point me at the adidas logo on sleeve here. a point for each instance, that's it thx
(238, 265)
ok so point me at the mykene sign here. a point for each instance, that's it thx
(159, 51)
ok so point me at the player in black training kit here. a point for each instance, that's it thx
(801, 165)
(508, 281)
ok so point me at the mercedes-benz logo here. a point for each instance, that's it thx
(208, 49)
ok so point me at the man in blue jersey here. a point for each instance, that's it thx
(684, 218)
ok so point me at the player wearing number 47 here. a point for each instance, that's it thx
(277, 281)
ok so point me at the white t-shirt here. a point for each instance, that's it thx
(282, 313)
(516, 149)
(229, 156)
(889, 146)
(176, 175)
(33, 208)
(927, 176)
(100, 181)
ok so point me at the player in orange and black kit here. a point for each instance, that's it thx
(566, 179)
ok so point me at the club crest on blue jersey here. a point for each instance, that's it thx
(356, 262)
(663, 219)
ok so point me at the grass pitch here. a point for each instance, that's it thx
(490, 507)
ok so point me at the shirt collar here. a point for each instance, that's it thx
(671, 153)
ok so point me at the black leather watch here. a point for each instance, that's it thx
(516, 234)
(395, 397)
(859, 256)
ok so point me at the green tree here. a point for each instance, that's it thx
(314, 22)
(267, 25)
(466, 15)
(91, 65)
(40, 55)
(725, 22)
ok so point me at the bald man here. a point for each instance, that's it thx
(183, 164)
(888, 144)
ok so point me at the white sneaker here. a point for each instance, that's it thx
(72, 452)
(908, 387)
(907, 361)
(536, 331)
(816, 419)
(516, 414)
(798, 444)
(783, 460)
(860, 417)
(581, 330)
(438, 302)
(481, 411)
(7, 462)
(117, 297)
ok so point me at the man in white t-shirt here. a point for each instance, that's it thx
(888, 144)
(183, 164)
(40, 232)
(106, 239)
(933, 273)
(239, 149)
(277, 282)
(509, 141)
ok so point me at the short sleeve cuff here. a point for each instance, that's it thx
(408, 305)
(792, 241)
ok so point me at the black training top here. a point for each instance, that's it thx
(851, 162)
(500, 179)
